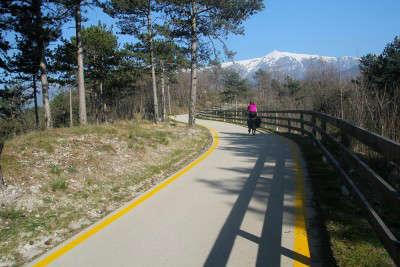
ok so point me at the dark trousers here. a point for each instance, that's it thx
(252, 115)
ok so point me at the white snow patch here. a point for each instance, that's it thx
(294, 64)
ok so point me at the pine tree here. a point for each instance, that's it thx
(234, 86)
(79, 56)
(135, 18)
(196, 22)
(73, 9)
(27, 59)
(36, 24)
(100, 47)
(171, 58)
(382, 72)
(5, 24)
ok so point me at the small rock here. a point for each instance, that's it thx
(6, 262)
(35, 189)
(78, 224)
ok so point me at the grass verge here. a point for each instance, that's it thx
(62, 180)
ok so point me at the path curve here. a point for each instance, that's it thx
(240, 206)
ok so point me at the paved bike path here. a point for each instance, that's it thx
(240, 206)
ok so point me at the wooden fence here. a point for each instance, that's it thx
(337, 141)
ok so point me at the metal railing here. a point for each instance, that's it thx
(315, 125)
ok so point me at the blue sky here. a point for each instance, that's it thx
(324, 27)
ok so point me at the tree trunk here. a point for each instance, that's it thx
(96, 103)
(102, 104)
(2, 182)
(163, 91)
(71, 118)
(236, 106)
(45, 91)
(35, 100)
(80, 74)
(152, 60)
(36, 6)
(193, 68)
(169, 100)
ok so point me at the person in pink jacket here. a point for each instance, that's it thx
(252, 116)
(252, 109)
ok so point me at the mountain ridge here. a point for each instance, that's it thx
(296, 65)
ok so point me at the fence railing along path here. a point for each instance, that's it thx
(333, 136)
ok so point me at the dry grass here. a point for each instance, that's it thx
(62, 180)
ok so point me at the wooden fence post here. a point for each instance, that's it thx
(302, 123)
(344, 139)
(289, 122)
(314, 124)
(323, 126)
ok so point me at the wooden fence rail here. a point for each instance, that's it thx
(315, 125)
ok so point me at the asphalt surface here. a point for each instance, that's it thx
(235, 208)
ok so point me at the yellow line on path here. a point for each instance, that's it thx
(108, 220)
(300, 232)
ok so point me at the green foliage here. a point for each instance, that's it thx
(100, 48)
(262, 78)
(170, 55)
(292, 86)
(382, 72)
(12, 101)
(60, 109)
(55, 169)
(234, 86)
(132, 15)
(64, 62)
(59, 184)
(11, 214)
(36, 24)
(135, 18)
(214, 20)
(5, 18)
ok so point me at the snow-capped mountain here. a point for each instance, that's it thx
(298, 66)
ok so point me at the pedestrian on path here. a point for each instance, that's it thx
(252, 116)
(252, 110)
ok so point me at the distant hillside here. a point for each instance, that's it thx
(297, 66)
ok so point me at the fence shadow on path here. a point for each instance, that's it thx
(263, 149)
